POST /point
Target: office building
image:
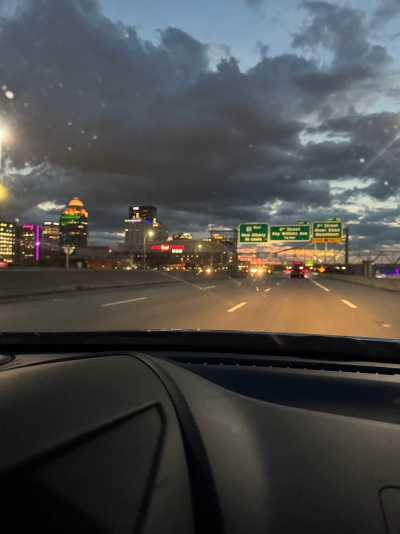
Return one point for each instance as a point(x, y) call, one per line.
point(28, 242)
point(136, 230)
point(74, 225)
point(160, 232)
point(145, 213)
point(181, 235)
point(50, 241)
point(7, 241)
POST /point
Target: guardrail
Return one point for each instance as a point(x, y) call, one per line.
point(389, 284)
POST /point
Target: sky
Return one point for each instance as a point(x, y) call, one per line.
point(232, 110)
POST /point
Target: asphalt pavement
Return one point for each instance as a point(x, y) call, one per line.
point(272, 303)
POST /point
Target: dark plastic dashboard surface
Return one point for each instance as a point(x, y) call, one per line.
point(148, 442)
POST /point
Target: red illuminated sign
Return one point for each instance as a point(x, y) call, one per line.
point(166, 248)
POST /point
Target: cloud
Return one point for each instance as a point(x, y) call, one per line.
point(255, 4)
point(100, 113)
point(50, 205)
point(387, 10)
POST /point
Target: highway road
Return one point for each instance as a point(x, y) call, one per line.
point(274, 303)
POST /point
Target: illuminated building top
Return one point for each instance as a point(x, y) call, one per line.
point(76, 208)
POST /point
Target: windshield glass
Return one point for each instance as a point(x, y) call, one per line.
point(224, 165)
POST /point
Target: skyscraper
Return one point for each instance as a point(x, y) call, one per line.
point(7, 241)
point(145, 213)
point(28, 242)
point(50, 236)
point(74, 225)
point(135, 230)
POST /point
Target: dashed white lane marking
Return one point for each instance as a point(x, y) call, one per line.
point(278, 284)
point(237, 307)
point(269, 289)
point(350, 304)
point(208, 287)
point(321, 286)
point(386, 325)
point(123, 302)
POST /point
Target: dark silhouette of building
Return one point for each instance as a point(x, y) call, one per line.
point(145, 213)
point(74, 225)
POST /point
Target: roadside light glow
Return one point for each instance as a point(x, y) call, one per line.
point(208, 271)
point(3, 192)
point(1, 133)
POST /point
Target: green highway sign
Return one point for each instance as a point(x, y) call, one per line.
point(290, 233)
point(253, 233)
point(334, 219)
point(302, 223)
point(327, 232)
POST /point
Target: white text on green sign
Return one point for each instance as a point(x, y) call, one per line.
point(253, 233)
point(290, 233)
point(327, 230)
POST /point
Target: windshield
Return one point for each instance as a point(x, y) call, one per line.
point(200, 165)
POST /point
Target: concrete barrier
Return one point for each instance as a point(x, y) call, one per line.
point(29, 281)
point(389, 284)
point(26, 282)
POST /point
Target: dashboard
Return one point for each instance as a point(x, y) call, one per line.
point(165, 441)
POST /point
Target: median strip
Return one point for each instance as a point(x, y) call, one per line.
point(321, 286)
point(237, 307)
point(123, 302)
point(350, 304)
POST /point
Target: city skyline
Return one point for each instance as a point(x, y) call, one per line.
point(269, 113)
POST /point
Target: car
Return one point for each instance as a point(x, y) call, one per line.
point(297, 269)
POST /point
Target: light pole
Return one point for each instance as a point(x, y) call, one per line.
point(197, 247)
point(144, 246)
point(211, 232)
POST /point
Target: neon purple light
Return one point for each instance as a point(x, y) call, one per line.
point(37, 242)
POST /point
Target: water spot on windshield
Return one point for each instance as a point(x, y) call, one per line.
point(362, 160)
point(9, 94)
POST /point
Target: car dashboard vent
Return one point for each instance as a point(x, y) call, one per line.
point(291, 364)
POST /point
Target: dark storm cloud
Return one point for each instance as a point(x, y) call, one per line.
point(387, 10)
point(254, 3)
point(101, 113)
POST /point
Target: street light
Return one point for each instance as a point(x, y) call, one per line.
point(197, 247)
point(150, 234)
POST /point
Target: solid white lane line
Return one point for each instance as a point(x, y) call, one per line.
point(123, 302)
point(350, 304)
point(208, 287)
point(269, 289)
point(237, 307)
point(320, 285)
